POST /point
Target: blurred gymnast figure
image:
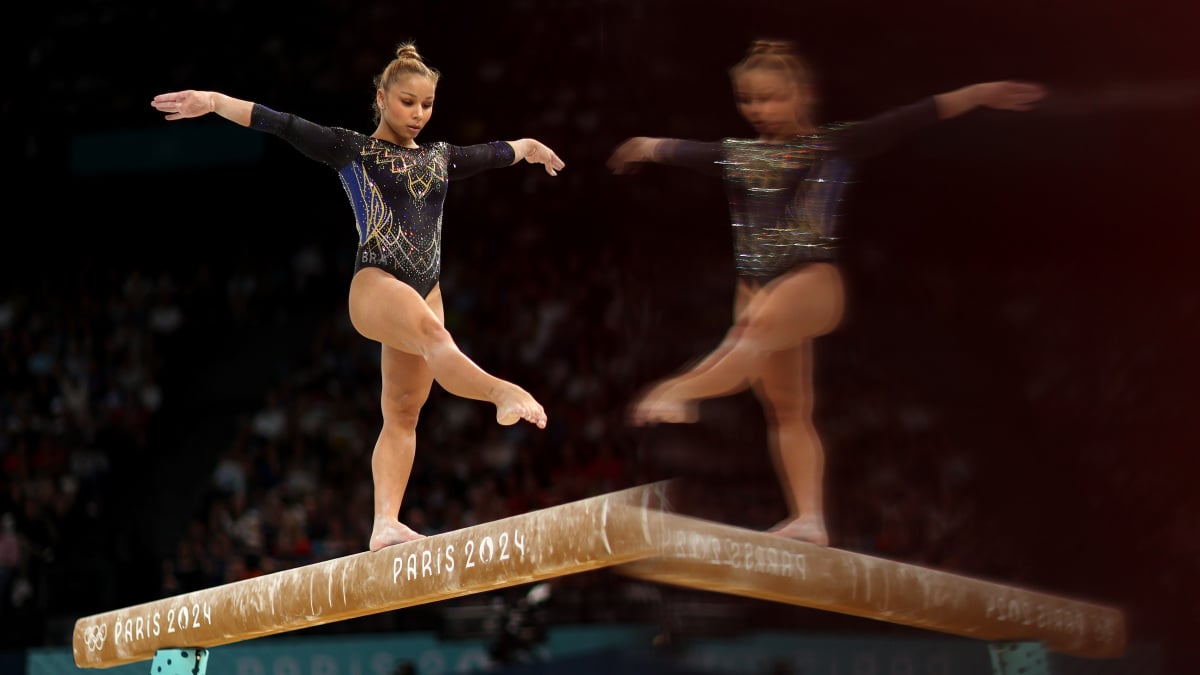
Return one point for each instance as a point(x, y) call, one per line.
point(784, 188)
point(397, 189)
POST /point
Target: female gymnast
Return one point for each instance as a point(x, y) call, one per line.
point(784, 188)
point(397, 189)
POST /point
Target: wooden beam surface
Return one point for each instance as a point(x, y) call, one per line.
point(570, 538)
point(711, 556)
point(633, 531)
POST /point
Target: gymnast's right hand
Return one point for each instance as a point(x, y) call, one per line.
point(184, 104)
point(629, 156)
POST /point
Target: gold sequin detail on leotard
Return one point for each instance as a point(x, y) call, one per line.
point(784, 200)
point(393, 242)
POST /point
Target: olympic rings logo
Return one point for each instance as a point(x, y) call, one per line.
point(94, 636)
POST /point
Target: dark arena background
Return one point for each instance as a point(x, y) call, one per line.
point(1013, 393)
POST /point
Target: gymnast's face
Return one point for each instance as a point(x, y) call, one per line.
point(406, 106)
point(773, 103)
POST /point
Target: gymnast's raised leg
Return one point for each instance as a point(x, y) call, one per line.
point(389, 311)
point(416, 350)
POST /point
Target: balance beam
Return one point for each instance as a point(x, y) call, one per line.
point(570, 538)
point(710, 556)
point(632, 531)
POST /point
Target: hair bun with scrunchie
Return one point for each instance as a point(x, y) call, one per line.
point(408, 50)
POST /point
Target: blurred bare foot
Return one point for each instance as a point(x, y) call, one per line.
point(810, 528)
point(661, 406)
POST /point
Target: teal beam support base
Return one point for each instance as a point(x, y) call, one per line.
point(179, 662)
point(1019, 658)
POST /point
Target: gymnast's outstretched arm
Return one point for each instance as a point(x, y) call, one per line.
point(697, 155)
point(535, 152)
point(1005, 95)
point(180, 105)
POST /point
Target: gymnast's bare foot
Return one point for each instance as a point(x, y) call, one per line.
point(661, 405)
point(389, 532)
point(810, 528)
point(514, 404)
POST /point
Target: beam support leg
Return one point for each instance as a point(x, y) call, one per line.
point(1019, 658)
point(176, 661)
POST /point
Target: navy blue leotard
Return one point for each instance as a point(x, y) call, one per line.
point(397, 193)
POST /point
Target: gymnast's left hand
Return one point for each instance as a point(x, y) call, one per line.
point(536, 152)
point(184, 104)
point(1017, 96)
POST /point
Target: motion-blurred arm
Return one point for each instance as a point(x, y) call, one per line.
point(697, 155)
point(877, 134)
point(1016, 96)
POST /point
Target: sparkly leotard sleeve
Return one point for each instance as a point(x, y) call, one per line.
point(397, 193)
point(784, 198)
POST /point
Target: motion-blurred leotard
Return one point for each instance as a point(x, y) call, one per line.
point(784, 198)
